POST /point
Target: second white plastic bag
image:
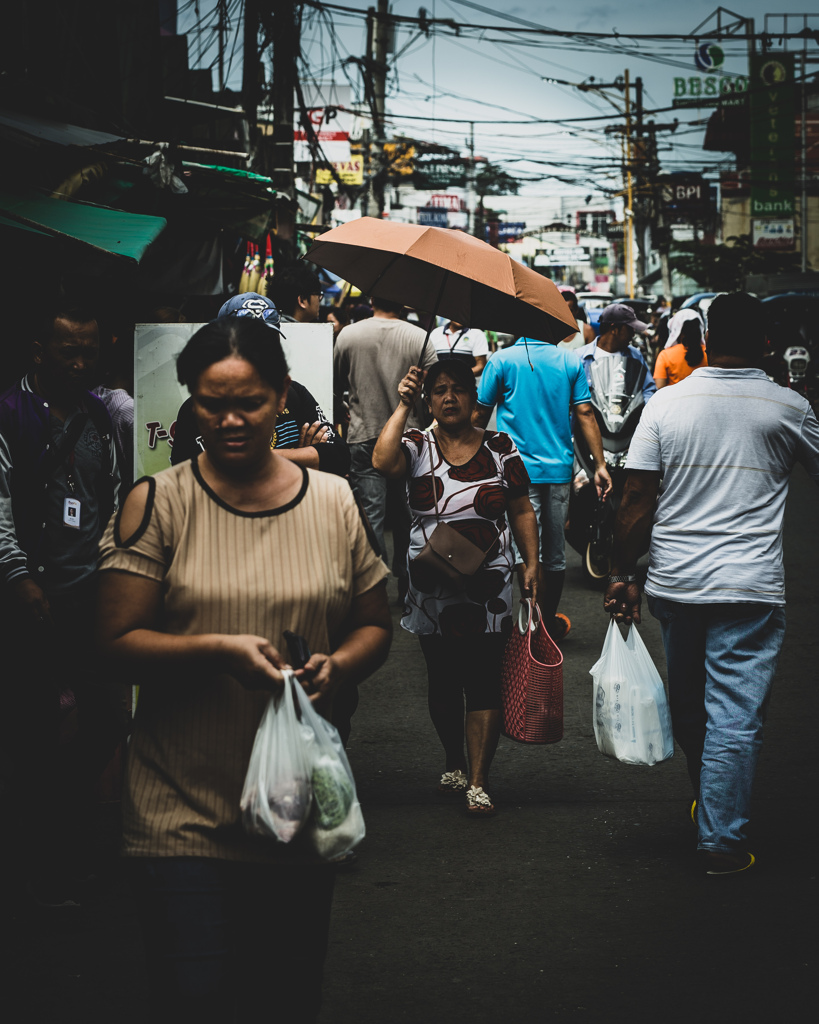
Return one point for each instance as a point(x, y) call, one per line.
point(631, 718)
point(336, 825)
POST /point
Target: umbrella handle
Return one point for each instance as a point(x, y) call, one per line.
point(434, 318)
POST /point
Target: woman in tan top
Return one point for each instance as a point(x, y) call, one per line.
point(204, 569)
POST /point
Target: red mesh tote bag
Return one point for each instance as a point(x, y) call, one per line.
point(532, 681)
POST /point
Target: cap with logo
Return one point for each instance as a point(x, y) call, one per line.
point(253, 305)
point(618, 314)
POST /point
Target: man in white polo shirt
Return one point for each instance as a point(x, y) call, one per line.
point(458, 342)
point(709, 470)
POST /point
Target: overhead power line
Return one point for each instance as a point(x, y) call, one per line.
point(522, 26)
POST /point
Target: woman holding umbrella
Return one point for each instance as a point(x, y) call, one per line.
point(474, 481)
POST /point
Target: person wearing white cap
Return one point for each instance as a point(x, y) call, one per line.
point(685, 350)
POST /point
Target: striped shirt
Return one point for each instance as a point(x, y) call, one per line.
point(725, 442)
point(297, 567)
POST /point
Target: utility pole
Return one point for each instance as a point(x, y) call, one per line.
point(378, 56)
point(285, 54)
point(221, 29)
point(803, 207)
point(470, 182)
point(629, 239)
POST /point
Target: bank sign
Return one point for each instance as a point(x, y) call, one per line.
point(772, 97)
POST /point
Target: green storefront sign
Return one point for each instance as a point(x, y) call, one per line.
point(439, 174)
point(772, 103)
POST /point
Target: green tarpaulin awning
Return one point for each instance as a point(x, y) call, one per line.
point(126, 235)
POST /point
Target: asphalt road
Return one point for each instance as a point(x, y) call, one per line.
point(580, 901)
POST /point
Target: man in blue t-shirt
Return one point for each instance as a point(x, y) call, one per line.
point(536, 387)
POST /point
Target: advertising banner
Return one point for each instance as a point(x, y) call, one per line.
point(772, 104)
point(774, 234)
point(158, 395)
point(350, 172)
point(328, 109)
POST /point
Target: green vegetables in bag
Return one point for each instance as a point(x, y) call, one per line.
point(332, 792)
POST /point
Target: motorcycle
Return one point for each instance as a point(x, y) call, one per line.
point(616, 389)
point(797, 362)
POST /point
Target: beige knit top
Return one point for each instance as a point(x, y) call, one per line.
point(297, 567)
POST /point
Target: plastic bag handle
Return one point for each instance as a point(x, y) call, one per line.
point(534, 617)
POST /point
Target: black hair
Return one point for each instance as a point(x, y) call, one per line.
point(736, 326)
point(295, 282)
point(243, 337)
point(691, 337)
point(387, 305)
point(78, 312)
point(454, 368)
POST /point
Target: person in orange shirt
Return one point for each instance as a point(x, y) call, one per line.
point(680, 360)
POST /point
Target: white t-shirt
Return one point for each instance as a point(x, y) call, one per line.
point(463, 342)
point(725, 442)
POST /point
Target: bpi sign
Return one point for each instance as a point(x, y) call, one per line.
point(686, 194)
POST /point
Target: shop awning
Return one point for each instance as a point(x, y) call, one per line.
point(125, 235)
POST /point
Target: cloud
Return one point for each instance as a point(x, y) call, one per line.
point(600, 15)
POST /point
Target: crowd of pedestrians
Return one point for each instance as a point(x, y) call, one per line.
point(186, 582)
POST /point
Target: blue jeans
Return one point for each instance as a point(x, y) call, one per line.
point(551, 505)
point(721, 665)
point(373, 492)
point(232, 941)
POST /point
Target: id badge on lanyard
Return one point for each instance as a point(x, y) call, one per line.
point(71, 506)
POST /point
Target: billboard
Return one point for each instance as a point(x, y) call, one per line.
point(158, 395)
point(328, 108)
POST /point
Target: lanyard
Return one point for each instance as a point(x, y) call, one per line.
point(447, 335)
point(70, 475)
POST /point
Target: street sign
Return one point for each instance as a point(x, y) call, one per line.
point(350, 172)
point(772, 100)
point(325, 105)
point(432, 217)
point(709, 90)
point(439, 173)
point(570, 255)
point(446, 202)
point(506, 231)
point(686, 192)
point(774, 234)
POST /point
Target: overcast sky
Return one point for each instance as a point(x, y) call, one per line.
point(500, 76)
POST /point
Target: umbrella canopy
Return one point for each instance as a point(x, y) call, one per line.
point(438, 270)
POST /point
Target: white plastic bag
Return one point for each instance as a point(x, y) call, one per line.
point(278, 793)
point(631, 717)
point(336, 825)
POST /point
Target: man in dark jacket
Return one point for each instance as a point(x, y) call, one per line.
point(303, 434)
point(58, 488)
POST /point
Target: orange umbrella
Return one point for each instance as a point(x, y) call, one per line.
point(439, 270)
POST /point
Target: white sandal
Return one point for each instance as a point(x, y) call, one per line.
point(478, 802)
point(453, 782)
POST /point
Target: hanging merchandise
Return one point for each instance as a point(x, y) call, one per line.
point(255, 270)
point(268, 267)
point(631, 718)
point(245, 278)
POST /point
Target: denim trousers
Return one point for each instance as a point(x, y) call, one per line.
point(721, 664)
point(551, 505)
point(374, 492)
point(228, 941)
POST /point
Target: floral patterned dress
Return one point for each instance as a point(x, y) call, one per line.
point(473, 499)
